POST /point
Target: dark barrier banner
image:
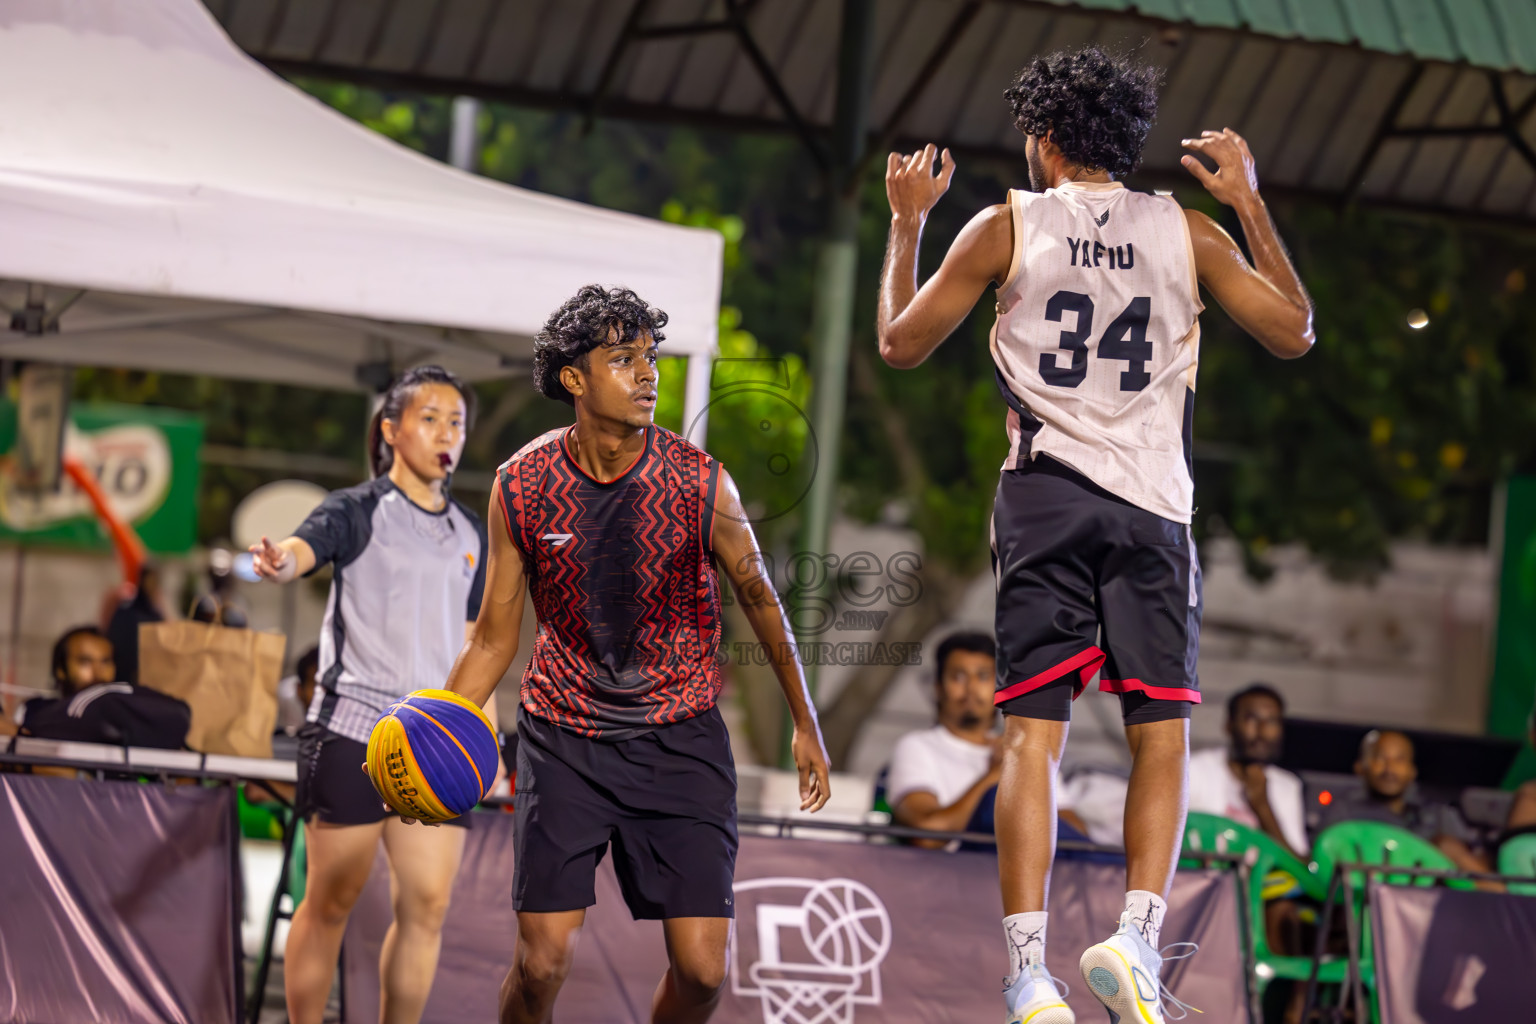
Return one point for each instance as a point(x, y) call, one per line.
point(1445, 956)
point(116, 902)
point(826, 933)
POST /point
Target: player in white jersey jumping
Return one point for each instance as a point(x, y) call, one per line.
point(1096, 346)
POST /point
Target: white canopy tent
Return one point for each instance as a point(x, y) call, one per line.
point(167, 203)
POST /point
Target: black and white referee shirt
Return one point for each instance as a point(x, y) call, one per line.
point(406, 582)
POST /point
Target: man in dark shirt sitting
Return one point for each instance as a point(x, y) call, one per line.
point(93, 707)
point(1387, 768)
point(82, 657)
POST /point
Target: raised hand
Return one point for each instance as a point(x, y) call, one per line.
point(271, 562)
point(1234, 181)
point(912, 187)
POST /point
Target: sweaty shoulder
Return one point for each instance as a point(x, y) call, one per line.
point(988, 243)
point(1214, 248)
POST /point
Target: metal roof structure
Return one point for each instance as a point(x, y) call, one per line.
point(1411, 103)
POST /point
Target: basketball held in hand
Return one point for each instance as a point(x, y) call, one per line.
point(432, 756)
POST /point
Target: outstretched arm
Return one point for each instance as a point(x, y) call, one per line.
point(283, 561)
point(912, 322)
point(736, 551)
point(492, 642)
point(1268, 299)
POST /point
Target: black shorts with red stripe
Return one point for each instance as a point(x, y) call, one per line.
point(1088, 583)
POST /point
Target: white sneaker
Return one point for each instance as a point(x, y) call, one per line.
point(1033, 998)
point(1123, 973)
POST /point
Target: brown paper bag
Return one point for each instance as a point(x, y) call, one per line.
point(227, 676)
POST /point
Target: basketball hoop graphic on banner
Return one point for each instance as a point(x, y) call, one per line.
point(819, 945)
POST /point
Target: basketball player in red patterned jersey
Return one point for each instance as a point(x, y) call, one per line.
point(1096, 347)
point(615, 527)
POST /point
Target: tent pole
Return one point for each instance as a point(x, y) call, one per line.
point(464, 137)
point(832, 306)
point(696, 399)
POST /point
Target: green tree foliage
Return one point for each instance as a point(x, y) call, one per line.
point(1382, 431)
point(757, 424)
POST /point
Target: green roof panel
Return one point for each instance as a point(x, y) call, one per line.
point(1320, 20)
point(1268, 16)
point(1171, 10)
point(1424, 30)
point(1372, 24)
point(1497, 34)
point(1516, 21)
point(1215, 13)
point(1475, 34)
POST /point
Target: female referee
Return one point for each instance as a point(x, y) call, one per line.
point(409, 574)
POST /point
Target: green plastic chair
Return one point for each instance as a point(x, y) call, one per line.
point(1211, 833)
point(265, 820)
point(1518, 857)
point(1374, 842)
point(298, 867)
point(259, 820)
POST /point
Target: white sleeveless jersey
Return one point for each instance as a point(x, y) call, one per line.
point(1097, 340)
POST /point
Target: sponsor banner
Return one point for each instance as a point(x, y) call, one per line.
point(118, 902)
point(146, 460)
point(1513, 686)
point(826, 933)
point(1451, 956)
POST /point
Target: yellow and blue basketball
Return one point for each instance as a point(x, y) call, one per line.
point(432, 756)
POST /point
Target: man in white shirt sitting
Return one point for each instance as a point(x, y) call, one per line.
point(939, 776)
point(1242, 781)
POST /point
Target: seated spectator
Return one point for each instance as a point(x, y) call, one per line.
point(295, 692)
point(123, 628)
point(1387, 768)
point(94, 707)
point(82, 657)
point(945, 778)
point(1242, 781)
point(1522, 811)
point(938, 776)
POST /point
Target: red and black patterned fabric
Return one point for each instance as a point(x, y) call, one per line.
point(622, 582)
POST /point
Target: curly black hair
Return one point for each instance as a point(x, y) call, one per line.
point(584, 323)
point(1098, 107)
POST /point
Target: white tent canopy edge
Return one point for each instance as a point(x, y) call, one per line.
point(169, 204)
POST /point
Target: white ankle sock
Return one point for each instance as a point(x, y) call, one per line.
point(1146, 910)
point(1026, 941)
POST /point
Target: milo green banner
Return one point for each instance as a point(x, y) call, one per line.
point(146, 460)
point(1514, 665)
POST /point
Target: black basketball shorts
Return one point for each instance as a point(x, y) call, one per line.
point(1087, 582)
point(333, 786)
point(664, 799)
